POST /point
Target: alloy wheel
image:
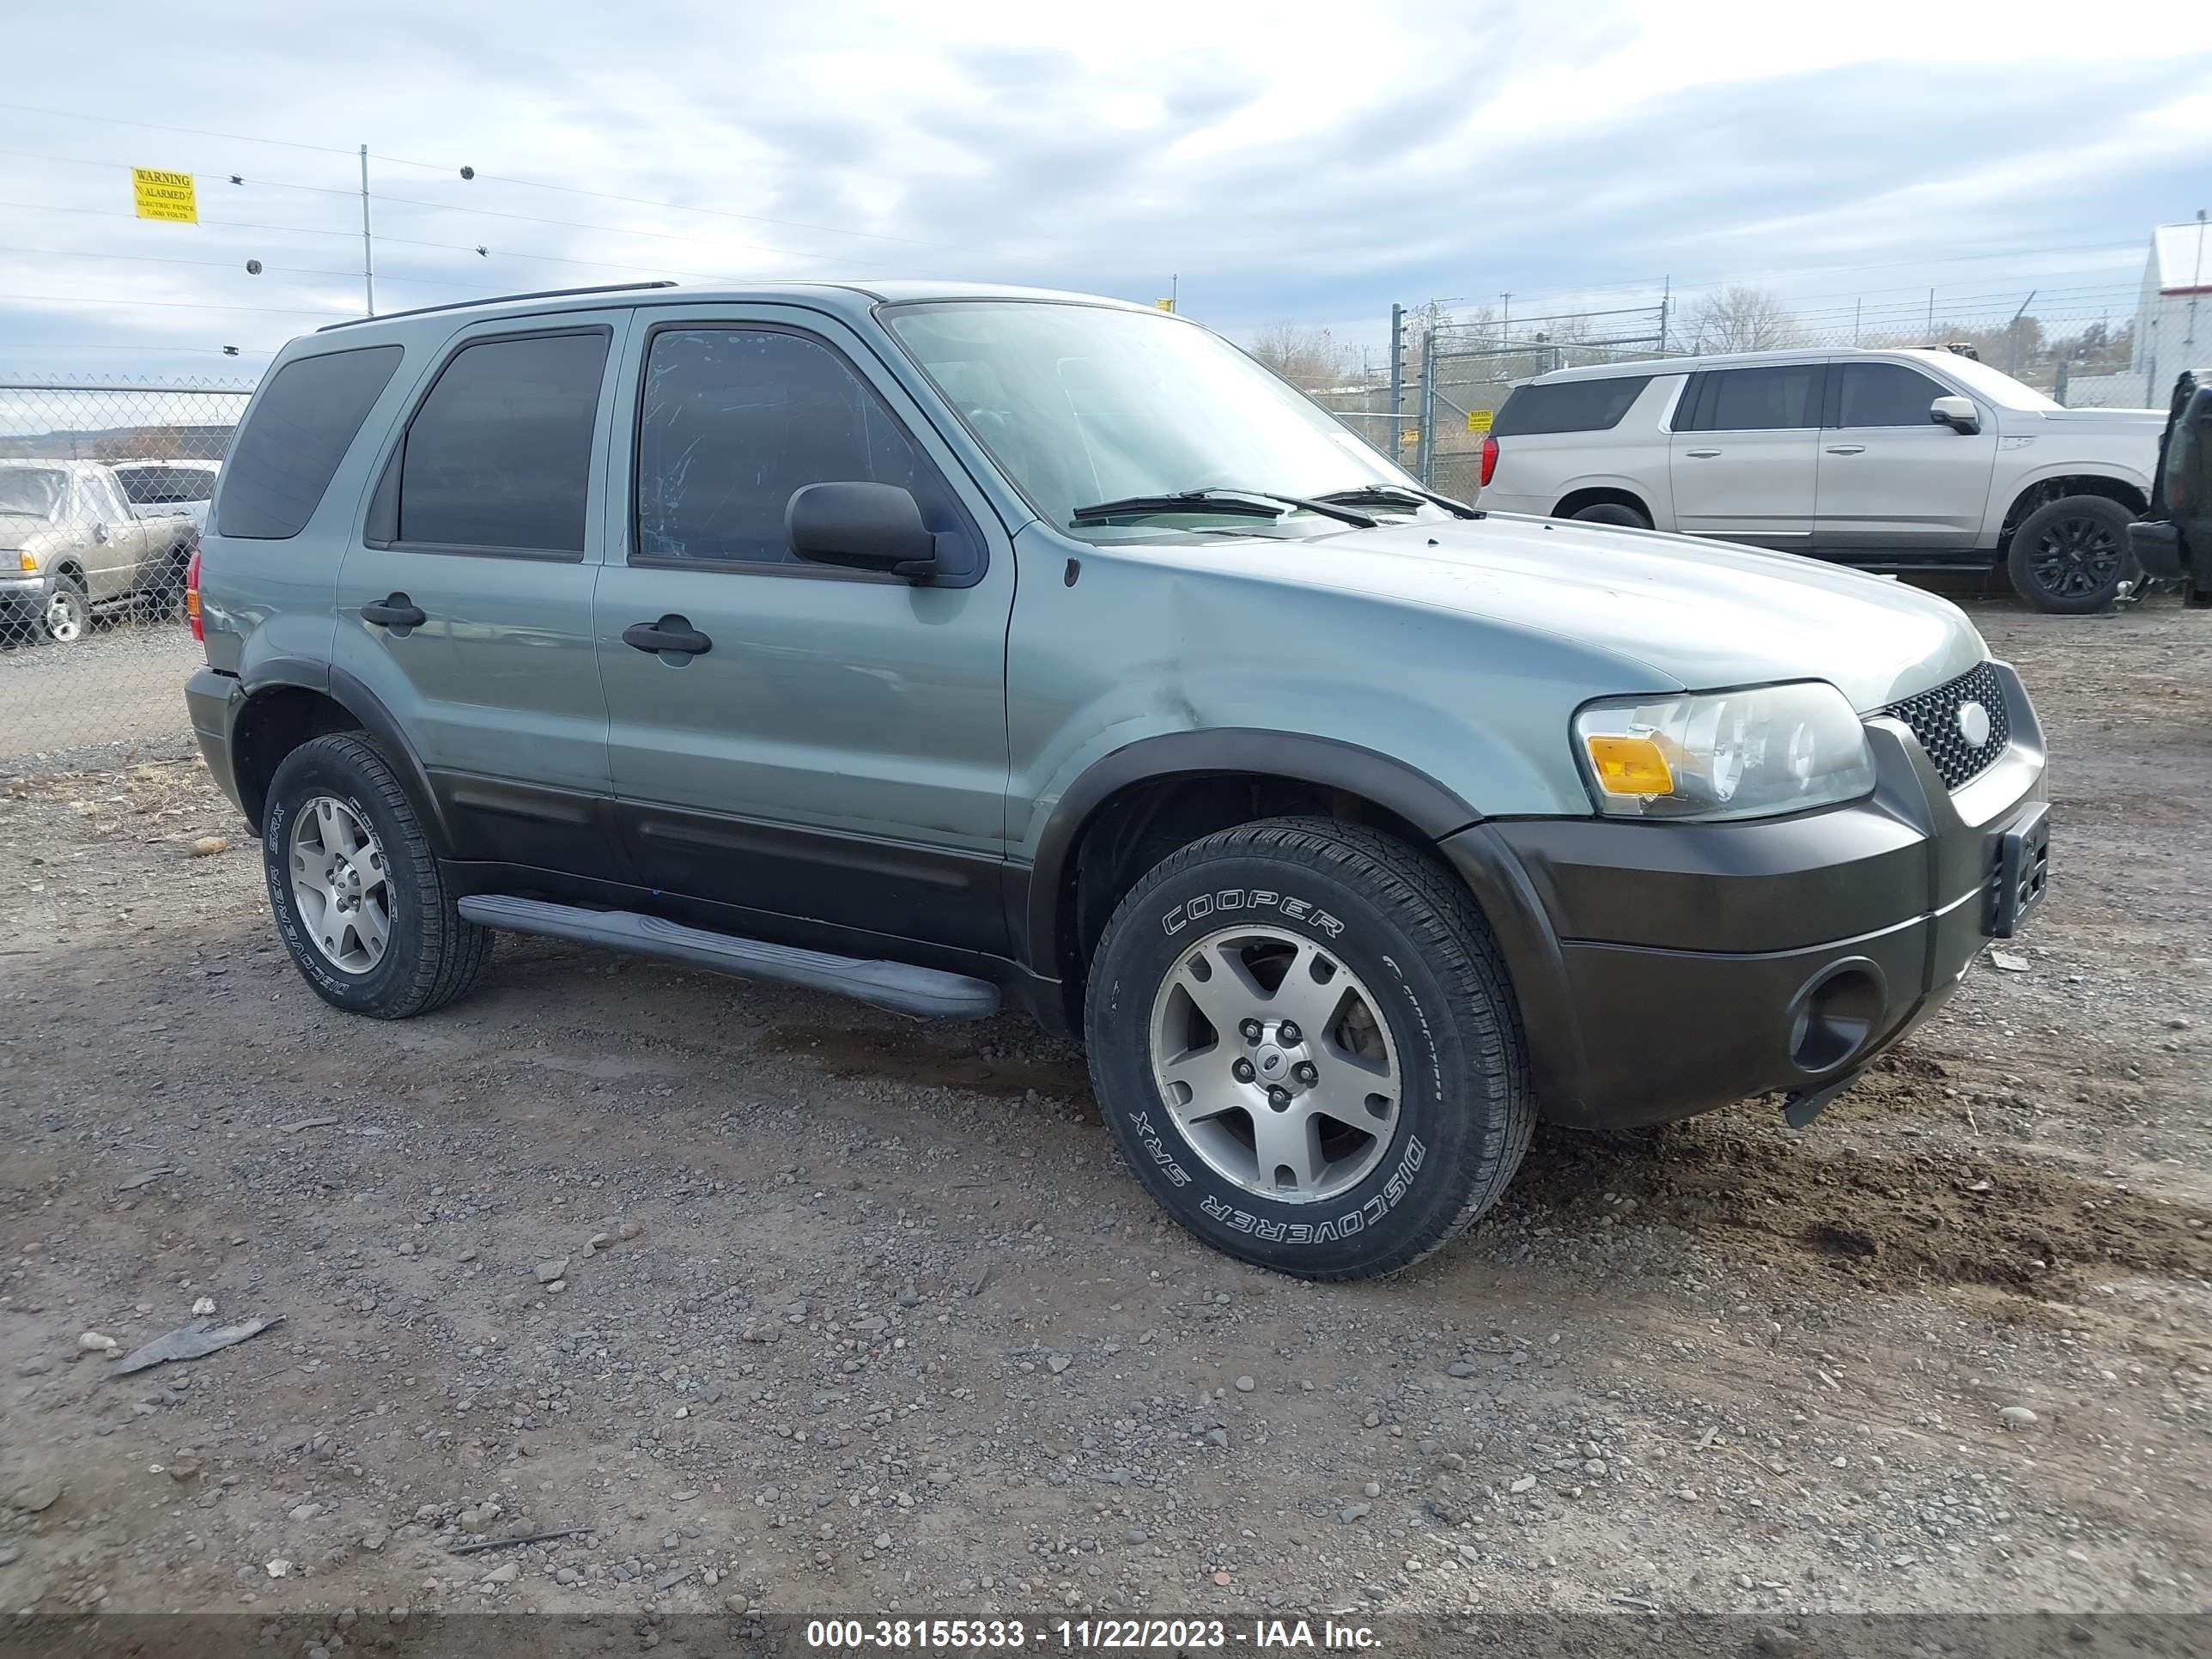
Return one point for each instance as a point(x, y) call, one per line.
point(2074, 558)
point(339, 884)
point(1276, 1064)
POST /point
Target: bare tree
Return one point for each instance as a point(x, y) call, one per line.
point(1741, 319)
point(1311, 359)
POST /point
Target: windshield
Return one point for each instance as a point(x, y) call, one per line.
point(1086, 405)
point(1999, 387)
point(37, 490)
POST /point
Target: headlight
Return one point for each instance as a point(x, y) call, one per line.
point(1723, 754)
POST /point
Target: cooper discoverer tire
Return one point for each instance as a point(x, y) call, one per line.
point(359, 898)
point(1305, 1042)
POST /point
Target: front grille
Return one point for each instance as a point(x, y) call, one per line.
point(1934, 718)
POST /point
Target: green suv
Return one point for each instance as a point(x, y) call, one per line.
point(948, 647)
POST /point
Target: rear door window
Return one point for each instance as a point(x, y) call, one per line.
point(1568, 406)
point(1884, 394)
point(499, 453)
point(302, 424)
point(1779, 399)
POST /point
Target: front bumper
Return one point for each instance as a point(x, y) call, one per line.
point(26, 595)
point(1663, 969)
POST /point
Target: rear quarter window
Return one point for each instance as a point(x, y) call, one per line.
point(1568, 406)
point(302, 426)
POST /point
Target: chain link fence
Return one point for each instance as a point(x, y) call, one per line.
point(104, 489)
point(1455, 370)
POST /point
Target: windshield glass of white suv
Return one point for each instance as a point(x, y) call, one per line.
point(1999, 387)
point(1083, 405)
point(36, 491)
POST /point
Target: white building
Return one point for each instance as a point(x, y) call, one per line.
point(2173, 321)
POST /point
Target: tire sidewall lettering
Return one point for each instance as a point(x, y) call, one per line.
point(1427, 1138)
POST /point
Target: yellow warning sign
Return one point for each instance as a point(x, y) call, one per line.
point(1164, 305)
point(1408, 435)
point(160, 195)
point(1478, 420)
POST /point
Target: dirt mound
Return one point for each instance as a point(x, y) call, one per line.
point(1878, 1220)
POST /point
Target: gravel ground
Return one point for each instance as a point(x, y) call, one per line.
point(791, 1305)
point(118, 690)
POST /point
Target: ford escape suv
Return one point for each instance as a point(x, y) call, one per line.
point(1885, 460)
point(947, 648)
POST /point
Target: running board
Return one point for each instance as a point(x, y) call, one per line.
point(898, 986)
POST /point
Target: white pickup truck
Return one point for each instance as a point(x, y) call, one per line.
point(1897, 460)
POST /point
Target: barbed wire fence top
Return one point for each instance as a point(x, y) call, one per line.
point(104, 483)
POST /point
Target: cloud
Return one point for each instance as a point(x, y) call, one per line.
point(1286, 161)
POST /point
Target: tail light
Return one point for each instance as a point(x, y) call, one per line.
point(192, 595)
point(1489, 458)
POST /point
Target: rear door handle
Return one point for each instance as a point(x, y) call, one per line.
point(1847, 449)
point(1701, 454)
point(393, 610)
point(672, 634)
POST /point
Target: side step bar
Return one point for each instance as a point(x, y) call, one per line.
point(903, 988)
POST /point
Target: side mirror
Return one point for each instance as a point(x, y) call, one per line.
point(1957, 413)
point(861, 526)
point(99, 533)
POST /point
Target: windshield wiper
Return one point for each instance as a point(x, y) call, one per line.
point(1247, 502)
point(1401, 495)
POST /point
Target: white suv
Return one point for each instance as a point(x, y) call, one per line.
point(1888, 460)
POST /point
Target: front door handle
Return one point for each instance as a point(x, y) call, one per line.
point(671, 635)
point(1701, 454)
point(1847, 449)
point(393, 610)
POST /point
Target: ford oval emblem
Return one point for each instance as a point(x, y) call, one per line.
point(1973, 724)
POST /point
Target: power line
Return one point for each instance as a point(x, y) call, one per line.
point(490, 178)
point(95, 345)
point(168, 305)
point(448, 207)
point(222, 265)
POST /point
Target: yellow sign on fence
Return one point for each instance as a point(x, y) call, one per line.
point(1478, 420)
point(159, 195)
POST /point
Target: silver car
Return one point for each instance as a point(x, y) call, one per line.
point(71, 542)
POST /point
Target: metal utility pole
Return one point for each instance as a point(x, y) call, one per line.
point(1855, 305)
point(1397, 359)
point(2012, 334)
point(1425, 450)
point(1931, 317)
point(1665, 303)
point(367, 247)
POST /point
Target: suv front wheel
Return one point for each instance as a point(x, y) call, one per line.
point(354, 883)
point(2070, 555)
point(1303, 1042)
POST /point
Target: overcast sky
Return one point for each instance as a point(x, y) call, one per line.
point(1307, 163)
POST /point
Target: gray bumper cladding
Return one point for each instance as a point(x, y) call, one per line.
point(898, 986)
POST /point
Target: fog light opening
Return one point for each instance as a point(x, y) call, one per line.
point(1834, 1016)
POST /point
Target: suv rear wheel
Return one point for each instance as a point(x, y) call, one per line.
point(359, 898)
point(1303, 1042)
point(2070, 555)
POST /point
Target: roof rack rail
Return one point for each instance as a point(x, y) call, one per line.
point(497, 299)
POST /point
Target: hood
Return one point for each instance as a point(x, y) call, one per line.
point(2149, 422)
point(16, 530)
point(1699, 614)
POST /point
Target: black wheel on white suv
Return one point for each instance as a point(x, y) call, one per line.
point(1613, 513)
point(359, 898)
point(1303, 1042)
point(2070, 555)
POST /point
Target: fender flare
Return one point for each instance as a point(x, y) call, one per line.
point(363, 704)
point(1328, 763)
